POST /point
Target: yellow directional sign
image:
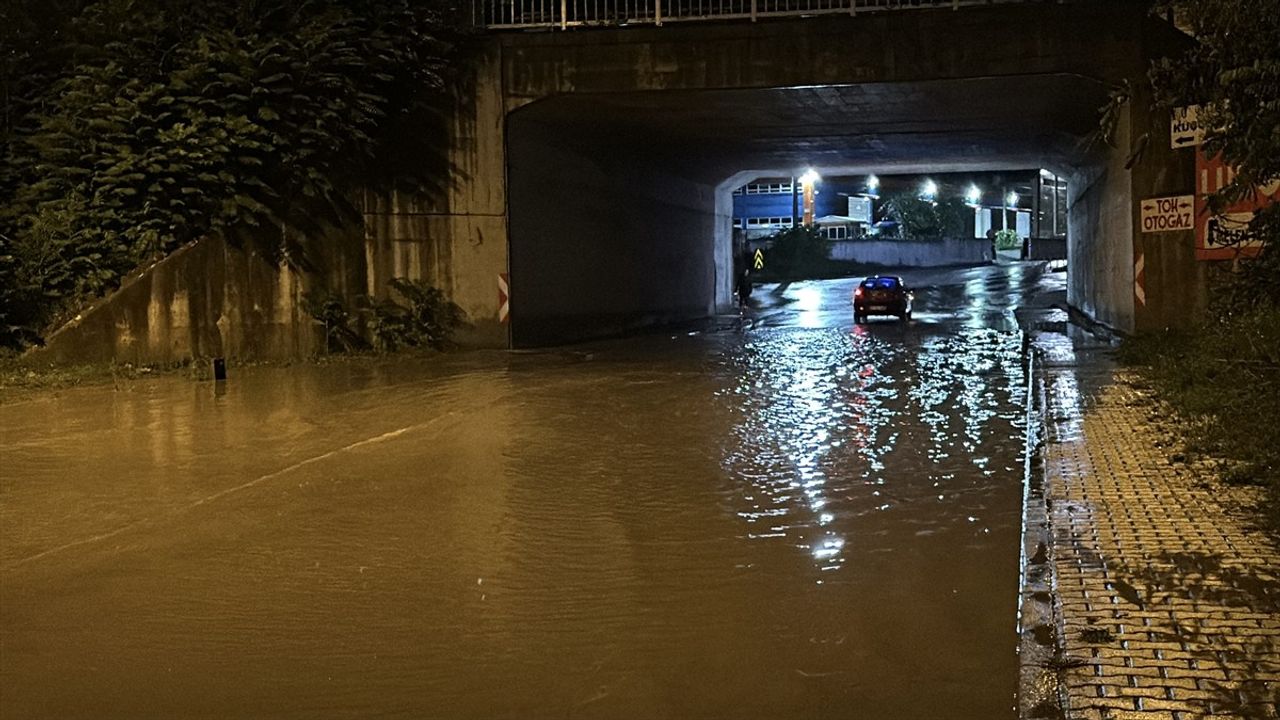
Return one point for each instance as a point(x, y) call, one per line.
point(759, 261)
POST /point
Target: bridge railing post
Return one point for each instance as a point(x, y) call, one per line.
point(657, 12)
point(753, 10)
point(564, 14)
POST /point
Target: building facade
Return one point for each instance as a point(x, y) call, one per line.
point(1031, 202)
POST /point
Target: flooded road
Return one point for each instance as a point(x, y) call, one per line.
point(798, 518)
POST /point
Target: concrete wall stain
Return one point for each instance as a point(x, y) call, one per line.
point(207, 299)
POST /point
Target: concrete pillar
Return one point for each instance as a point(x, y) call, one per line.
point(457, 242)
point(1100, 236)
point(1174, 285)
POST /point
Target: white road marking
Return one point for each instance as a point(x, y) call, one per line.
point(238, 488)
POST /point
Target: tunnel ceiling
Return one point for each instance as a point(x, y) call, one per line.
point(954, 125)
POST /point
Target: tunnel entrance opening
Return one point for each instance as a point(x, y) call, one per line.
point(620, 204)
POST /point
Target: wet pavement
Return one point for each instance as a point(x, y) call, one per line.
point(790, 517)
point(1166, 591)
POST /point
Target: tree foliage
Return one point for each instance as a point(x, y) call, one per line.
point(927, 219)
point(797, 251)
point(1224, 376)
point(132, 127)
point(1232, 71)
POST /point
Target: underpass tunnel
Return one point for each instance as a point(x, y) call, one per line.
point(620, 204)
point(607, 235)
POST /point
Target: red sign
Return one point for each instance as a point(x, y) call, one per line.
point(1221, 236)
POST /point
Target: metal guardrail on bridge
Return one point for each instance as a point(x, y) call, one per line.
point(564, 14)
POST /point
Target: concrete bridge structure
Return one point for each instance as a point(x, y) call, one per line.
point(599, 162)
point(594, 166)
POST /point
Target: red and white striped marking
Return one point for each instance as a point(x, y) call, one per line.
point(1140, 279)
point(504, 298)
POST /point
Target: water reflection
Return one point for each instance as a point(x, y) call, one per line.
point(783, 523)
point(825, 414)
point(804, 409)
point(809, 303)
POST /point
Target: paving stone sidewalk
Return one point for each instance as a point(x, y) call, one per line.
point(1167, 598)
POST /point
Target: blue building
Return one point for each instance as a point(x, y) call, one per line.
point(767, 205)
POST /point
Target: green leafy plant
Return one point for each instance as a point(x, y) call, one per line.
point(331, 313)
point(431, 317)
point(417, 315)
point(132, 127)
point(796, 252)
point(1231, 69)
point(1008, 239)
point(389, 323)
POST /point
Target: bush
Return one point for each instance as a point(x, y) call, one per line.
point(426, 318)
point(797, 252)
point(1008, 240)
point(330, 312)
point(1224, 378)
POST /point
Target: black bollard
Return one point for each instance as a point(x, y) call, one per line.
point(219, 369)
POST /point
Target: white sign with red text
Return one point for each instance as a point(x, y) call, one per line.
point(1168, 214)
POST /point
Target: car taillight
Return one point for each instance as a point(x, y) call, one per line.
point(858, 292)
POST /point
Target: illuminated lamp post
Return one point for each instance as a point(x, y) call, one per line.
point(808, 181)
point(1010, 201)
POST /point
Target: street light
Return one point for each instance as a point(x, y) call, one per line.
point(873, 183)
point(807, 181)
point(929, 190)
point(973, 196)
point(1010, 201)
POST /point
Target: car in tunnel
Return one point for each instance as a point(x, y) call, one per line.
point(882, 295)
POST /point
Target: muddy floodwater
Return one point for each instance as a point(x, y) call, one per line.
point(802, 518)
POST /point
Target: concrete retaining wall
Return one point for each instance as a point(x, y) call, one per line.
point(1174, 285)
point(1046, 249)
point(206, 300)
point(912, 253)
point(210, 300)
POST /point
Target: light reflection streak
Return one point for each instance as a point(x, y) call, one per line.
point(809, 303)
point(813, 399)
point(823, 411)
